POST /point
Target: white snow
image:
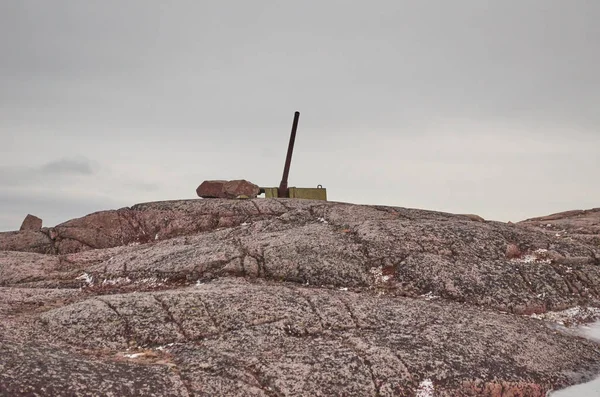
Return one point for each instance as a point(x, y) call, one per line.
point(133, 355)
point(116, 281)
point(537, 256)
point(591, 331)
point(87, 278)
point(378, 276)
point(164, 346)
point(592, 388)
point(425, 389)
point(152, 281)
point(322, 220)
point(429, 296)
point(573, 315)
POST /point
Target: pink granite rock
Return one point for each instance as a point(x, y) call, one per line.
point(31, 222)
point(211, 189)
point(227, 189)
point(284, 297)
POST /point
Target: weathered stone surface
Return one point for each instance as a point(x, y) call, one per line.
point(211, 189)
point(513, 251)
point(31, 222)
point(27, 240)
point(582, 225)
point(261, 336)
point(473, 217)
point(283, 297)
point(241, 187)
point(18, 268)
point(405, 252)
point(30, 369)
point(144, 223)
point(14, 301)
point(227, 189)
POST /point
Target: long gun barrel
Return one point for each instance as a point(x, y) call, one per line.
point(283, 186)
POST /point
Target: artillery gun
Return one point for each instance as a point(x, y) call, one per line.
point(242, 189)
point(318, 193)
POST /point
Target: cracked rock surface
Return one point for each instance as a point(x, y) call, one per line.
point(283, 297)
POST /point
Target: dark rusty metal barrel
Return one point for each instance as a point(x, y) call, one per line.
point(283, 186)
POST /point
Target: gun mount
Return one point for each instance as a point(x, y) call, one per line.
point(318, 193)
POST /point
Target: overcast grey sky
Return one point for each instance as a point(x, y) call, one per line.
point(487, 107)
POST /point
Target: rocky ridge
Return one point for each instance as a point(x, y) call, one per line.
point(284, 297)
point(582, 225)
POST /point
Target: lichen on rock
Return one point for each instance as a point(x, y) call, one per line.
point(286, 297)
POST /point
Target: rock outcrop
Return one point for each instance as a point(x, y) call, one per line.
point(31, 222)
point(28, 241)
point(582, 225)
point(228, 189)
point(284, 297)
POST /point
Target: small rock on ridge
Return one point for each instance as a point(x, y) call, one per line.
point(227, 189)
point(31, 222)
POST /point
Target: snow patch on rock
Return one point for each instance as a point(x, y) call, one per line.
point(161, 348)
point(89, 281)
point(116, 281)
point(425, 389)
point(133, 355)
point(538, 256)
point(572, 316)
point(87, 278)
point(378, 276)
point(429, 296)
